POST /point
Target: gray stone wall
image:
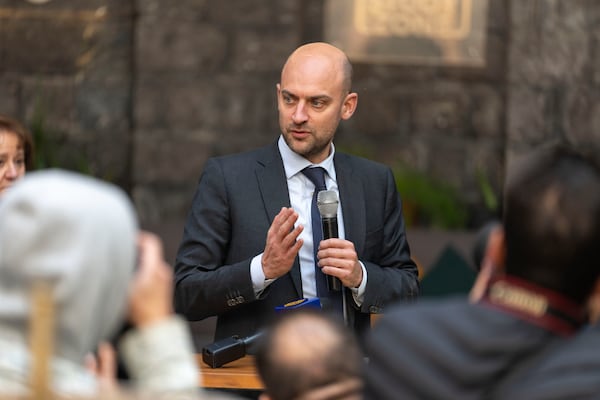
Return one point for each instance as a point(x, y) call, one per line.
point(447, 122)
point(205, 85)
point(145, 91)
point(69, 64)
point(553, 79)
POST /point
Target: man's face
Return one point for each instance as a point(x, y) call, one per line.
point(311, 101)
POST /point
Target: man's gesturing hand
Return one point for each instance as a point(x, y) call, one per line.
point(282, 244)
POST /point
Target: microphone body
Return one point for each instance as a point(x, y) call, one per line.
point(330, 230)
point(327, 202)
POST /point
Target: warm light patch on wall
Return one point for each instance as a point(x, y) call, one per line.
point(446, 32)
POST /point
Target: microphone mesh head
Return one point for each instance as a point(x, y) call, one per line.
point(327, 203)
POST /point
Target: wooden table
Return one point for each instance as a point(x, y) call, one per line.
point(238, 374)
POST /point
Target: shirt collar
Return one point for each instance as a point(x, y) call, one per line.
point(294, 163)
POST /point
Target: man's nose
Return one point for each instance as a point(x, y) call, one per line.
point(300, 116)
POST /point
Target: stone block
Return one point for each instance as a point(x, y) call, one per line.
point(582, 115)
point(53, 99)
point(264, 52)
point(179, 46)
point(184, 103)
point(486, 110)
point(497, 17)
point(159, 157)
point(485, 161)
point(243, 13)
point(59, 36)
point(222, 103)
point(69, 6)
point(440, 112)
point(162, 10)
point(41, 46)
point(414, 153)
point(496, 53)
point(104, 106)
point(526, 115)
point(447, 158)
point(109, 56)
point(9, 100)
point(380, 115)
point(176, 103)
point(157, 203)
point(550, 43)
point(107, 156)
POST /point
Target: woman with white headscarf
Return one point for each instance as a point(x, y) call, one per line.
point(79, 235)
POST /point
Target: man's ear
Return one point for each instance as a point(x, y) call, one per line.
point(495, 251)
point(492, 265)
point(349, 105)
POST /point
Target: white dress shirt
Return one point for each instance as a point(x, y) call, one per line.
point(301, 190)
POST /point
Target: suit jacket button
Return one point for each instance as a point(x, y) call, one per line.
point(374, 309)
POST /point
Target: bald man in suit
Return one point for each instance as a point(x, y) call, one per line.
point(248, 246)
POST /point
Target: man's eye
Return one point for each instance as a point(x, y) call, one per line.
point(318, 103)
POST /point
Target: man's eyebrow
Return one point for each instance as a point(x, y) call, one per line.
point(312, 98)
point(288, 93)
point(320, 97)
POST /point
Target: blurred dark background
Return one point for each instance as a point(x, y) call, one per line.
point(141, 92)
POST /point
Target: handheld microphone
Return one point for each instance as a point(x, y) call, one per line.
point(327, 203)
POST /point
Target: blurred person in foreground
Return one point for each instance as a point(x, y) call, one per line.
point(79, 235)
point(307, 355)
point(16, 152)
point(567, 371)
point(247, 245)
point(545, 262)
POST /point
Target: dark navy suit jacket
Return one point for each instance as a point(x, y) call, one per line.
point(237, 198)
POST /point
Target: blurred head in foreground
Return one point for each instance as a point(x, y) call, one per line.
point(306, 354)
point(551, 228)
point(78, 236)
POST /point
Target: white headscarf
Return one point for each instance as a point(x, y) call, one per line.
point(78, 233)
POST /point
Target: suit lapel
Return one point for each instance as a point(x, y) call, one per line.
point(352, 197)
point(272, 184)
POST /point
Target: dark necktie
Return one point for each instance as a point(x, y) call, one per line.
point(329, 299)
point(317, 177)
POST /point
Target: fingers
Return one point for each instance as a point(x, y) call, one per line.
point(281, 228)
point(107, 358)
point(149, 249)
point(282, 244)
point(103, 365)
point(150, 297)
point(337, 257)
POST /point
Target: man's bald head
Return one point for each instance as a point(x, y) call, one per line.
point(325, 53)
